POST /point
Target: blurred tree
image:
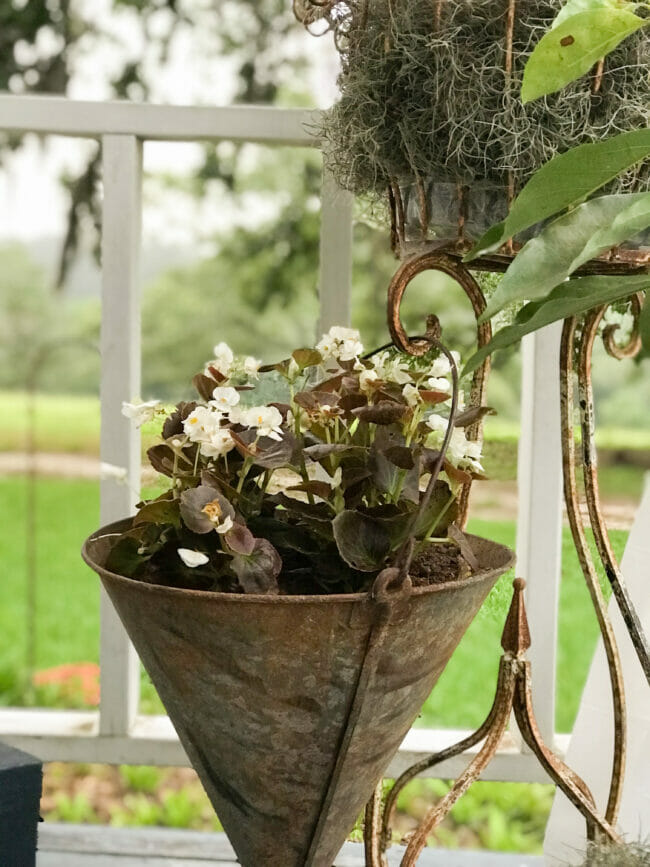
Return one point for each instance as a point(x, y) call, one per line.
point(44, 42)
point(44, 342)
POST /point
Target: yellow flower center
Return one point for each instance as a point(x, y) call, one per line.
point(213, 511)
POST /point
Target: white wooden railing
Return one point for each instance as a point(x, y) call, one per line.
point(117, 733)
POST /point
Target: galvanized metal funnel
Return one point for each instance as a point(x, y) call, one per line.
point(290, 708)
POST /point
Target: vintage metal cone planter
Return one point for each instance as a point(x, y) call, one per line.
point(290, 708)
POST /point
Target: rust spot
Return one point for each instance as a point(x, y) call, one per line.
point(567, 40)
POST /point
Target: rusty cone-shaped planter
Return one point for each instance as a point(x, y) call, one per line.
point(290, 708)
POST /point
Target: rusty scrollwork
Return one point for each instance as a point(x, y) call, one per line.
point(441, 261)
point(514, 683)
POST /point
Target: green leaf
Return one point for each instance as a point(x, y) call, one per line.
point(257, 572)
point(124, 558)
point(438, 506)
point(569, 299)
point(239, 539)
point(571, 48)
point(265, 451)
point(161, 458)
point(159, 512)
point(629, 222)
point(574, 7)
point(173, 425)
point(362, 541)
point(565, 181)
point(382, 412)
point(306, 357)
point(547, 260)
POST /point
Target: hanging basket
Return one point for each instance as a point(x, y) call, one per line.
point(290, 708)
point(430, 108)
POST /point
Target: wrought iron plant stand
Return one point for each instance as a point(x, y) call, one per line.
point(513, 688)
point(411, 242)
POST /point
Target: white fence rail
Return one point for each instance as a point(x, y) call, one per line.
point(117, 733)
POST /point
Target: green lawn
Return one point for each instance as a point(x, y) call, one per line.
point(64, 423)
point(70, 423)
point(67, 608)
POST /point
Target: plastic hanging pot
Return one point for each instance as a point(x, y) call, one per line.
point(290, 708)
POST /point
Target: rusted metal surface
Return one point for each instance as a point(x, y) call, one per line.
point(569, 464)
point(514, 683)
point(439, 260)
point(515, 638)
point(513, 696)
point(589, 332)
point(291, 707)
point(510, 30)
point(619, 262)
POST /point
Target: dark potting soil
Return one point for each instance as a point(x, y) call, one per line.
point(438, 564)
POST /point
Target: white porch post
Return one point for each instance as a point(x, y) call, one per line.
point(539, 520)
point(120, 441)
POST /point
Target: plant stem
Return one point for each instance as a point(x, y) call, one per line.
point(305, 478)
point(438, 519)
point(244, 472)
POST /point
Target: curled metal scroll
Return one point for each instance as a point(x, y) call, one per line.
point(437, 260)
point(589, 333)
point(578, 338)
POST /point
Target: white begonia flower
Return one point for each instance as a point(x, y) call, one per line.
point(437, 383)
point(224, 398)
point(411, 394)
point(267, 420)
point(219, 444)
point(111, 471)
point(141, 412)
point(223, 354)
point(342, 344)
point(457, 446)
point(366, 380)
point(201, 424)
point(293, 371)
point(252, 366)
point(225, 525)
point(473, 450)
point(437, 423)
point(391, 369)
point(193, 558)
point(461, 451)
point(472, 457)
point(223, 360)
point(442, 367)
